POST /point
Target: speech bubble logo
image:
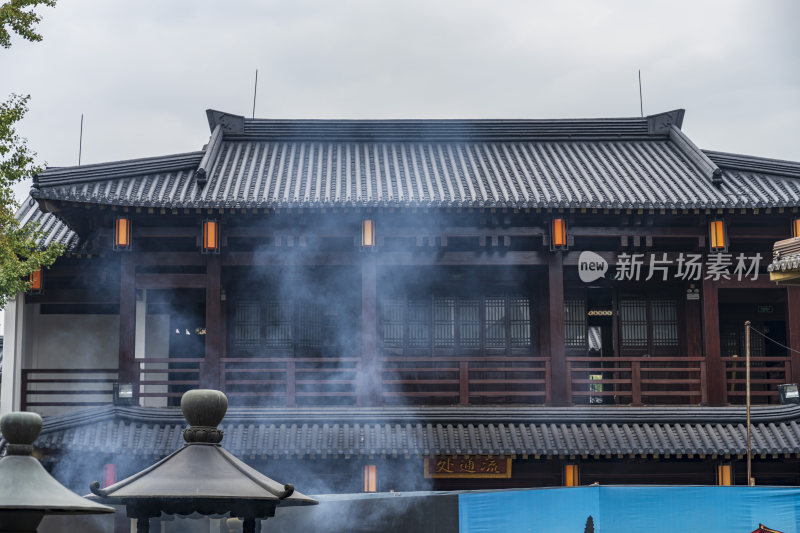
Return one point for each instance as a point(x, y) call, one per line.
point(591, 266)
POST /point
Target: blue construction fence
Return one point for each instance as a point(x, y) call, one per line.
point(632, 509)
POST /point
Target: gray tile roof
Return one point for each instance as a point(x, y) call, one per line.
point(53, 229)
point(599, 163)
point(786, 256)
point(596, 431)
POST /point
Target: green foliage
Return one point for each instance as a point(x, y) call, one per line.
point(19, 253)
point(17, 16)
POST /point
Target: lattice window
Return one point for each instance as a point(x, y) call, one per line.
point(419, 323)
point(519, 318)
point(278, 324)
point(456, 323)
point(495, 310)
point(575, 323)
point(469, 315)
point(247, 324)
point(664, 318)
point(309, 325)
point(730, 341)
point(757, 344)
point(444, 322)
point(633, 322)
point(392, 322)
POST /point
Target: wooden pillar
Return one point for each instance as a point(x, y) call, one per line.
point(128, 368)
point(793, 329)
point(715, 369)
point(558, 363)
point(369, 382)
point(693, 327)
point(210, 376)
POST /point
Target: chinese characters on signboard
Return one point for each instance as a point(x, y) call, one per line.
point(663, 266)
point(467, 466)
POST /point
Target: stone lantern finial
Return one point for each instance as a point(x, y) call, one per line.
point(20, 429)
point(204, 409)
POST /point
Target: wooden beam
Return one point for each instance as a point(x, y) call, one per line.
point(278, 257)
point(168, 259)
point(171, 281)
point(711, 344)
point(464, 258)
point(763, 282)
point(73, 296)
point(165, 231)
point(558, 363)
point(422, 258)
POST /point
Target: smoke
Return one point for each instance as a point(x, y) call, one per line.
point(300, 304)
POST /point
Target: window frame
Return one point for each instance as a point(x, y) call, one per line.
point(507, 293)
point(650, 348)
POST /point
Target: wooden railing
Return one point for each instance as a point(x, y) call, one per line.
point(163, 380)
point(766, 373)
point(50, 389)
point(290, 380)
point(465, 380)
point(636, 380)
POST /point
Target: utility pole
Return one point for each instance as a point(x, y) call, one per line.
point(750, 480)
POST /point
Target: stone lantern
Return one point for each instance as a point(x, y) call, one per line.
point(201, 478)
point(27, 492)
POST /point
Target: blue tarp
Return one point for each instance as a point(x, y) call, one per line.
point(653, 509)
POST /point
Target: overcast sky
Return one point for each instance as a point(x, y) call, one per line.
point(143, 72)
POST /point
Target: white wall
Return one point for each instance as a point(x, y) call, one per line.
point(156, 345)
point(70, 342)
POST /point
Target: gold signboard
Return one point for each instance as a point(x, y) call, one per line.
point(467, 466)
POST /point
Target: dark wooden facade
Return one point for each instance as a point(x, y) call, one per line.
point(334, 322)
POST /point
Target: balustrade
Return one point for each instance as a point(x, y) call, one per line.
point(637, 380)
point(444, 380)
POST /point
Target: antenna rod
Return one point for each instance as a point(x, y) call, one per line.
point(641, 107)
point(255, 92)
point(80, 142)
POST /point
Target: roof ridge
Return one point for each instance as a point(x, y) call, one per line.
point(441, 415)
point(766, 165)
point(427, 130)
point(711, 171)
point(114, 169)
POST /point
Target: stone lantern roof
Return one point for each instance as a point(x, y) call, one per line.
point(27, 491)
point(201, 477)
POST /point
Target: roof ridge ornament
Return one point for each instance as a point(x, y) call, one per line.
point(230, 123)
point(661, 123)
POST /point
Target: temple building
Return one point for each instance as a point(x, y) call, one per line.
point(401, 305)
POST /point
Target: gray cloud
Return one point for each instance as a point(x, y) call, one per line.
point(143, 72)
